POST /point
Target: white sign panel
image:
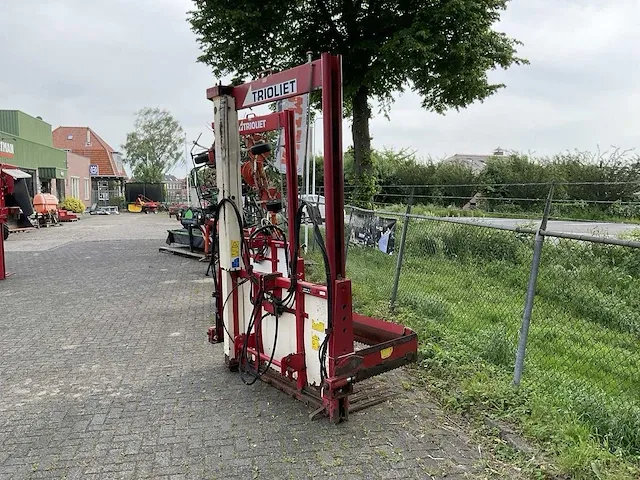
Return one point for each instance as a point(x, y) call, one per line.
point(93, 169)
point(270, 93)
point(300, 105)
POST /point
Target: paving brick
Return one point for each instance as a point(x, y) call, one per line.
point(106, 373)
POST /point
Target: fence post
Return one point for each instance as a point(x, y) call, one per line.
point(347, 236)
point(403, 238)
point(531, 291)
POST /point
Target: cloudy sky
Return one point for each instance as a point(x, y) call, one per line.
point(96, 63)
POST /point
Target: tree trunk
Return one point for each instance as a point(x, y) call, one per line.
point(360, 132)
point(362, 163)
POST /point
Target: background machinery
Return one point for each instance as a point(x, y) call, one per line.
point(299, 336)
point(15, 206)
point(143, 204)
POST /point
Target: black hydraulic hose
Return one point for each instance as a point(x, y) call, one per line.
point(322, 351)
point(292, 266)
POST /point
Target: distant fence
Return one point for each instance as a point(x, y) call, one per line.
point(153, 191)
point(106, 197)
point(558, 312)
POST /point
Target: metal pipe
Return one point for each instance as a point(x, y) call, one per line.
point(592, 238)
point(306, 155)
point(313, 153)
point(403, 239)
point(531, 292)
point(348, 236)
point(186, 163)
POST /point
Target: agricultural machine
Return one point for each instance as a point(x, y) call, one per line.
point(144, 205)
point(260, 198)
point(301, 337)
point(15, 205)
point(46, 209)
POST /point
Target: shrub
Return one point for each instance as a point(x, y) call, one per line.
point(73, 205)
point(119, 202)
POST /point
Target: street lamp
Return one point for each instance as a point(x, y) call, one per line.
point(313, 151)
point(186, 164)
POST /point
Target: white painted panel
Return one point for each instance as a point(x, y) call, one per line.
point(316, 309)
point(286, 335)
point(282, 262)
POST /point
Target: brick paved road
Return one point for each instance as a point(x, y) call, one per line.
point(105, 372)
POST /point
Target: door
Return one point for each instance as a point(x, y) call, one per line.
point(60, 189)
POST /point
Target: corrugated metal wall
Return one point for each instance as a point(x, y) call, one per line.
point(25, 126)
point(34, 129)
point(33, 155)
point(9, 122)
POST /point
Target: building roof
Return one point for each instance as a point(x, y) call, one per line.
point(475, 162)
point(97, 150)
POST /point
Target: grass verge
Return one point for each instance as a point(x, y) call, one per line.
point(462, 289)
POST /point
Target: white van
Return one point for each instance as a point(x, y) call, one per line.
point(316, 201)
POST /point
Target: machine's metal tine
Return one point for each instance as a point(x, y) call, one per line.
point(371, 402)
point(316, 413)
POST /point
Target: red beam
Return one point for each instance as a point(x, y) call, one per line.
point(263, 123)
point(289, 83)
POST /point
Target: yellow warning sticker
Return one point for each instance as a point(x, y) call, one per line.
point(386, 352)
point(317, 325)
point(315, 342)
point(235, 248)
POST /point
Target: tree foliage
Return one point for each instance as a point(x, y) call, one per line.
point(442, 49)
point(586, 183)
point(155, 146)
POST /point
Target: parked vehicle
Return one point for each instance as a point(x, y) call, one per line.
point(317, 201)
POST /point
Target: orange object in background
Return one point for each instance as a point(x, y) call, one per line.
point(44, 203)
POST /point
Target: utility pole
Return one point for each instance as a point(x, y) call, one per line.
point(307, 157)
point(186, 163)
point(313, 154)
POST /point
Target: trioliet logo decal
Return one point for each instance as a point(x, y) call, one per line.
point(6, 149)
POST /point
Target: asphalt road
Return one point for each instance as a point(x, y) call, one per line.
point(584, 228)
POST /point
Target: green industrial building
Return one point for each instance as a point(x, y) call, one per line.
point(27, 143)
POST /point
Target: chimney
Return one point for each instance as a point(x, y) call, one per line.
point(88, 137)
point(498, 152)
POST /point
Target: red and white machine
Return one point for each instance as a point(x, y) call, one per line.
point(299, 336)
point(15, 204)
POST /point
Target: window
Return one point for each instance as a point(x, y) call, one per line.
point(75, 187)
point(87, 189)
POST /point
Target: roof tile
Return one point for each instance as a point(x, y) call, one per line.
point(99, 151)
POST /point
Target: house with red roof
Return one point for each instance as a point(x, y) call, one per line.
point(106, 169)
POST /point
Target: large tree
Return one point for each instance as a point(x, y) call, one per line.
point(155, 146)
point(441, 49)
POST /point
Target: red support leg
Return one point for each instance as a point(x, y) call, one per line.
point(333, 167)
point(3, 272)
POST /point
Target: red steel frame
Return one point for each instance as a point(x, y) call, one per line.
point(6, 188)
point(390, 345)
point(4, 212)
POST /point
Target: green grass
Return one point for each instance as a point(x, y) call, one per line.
point(462, 289)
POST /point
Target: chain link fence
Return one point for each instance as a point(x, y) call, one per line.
point(476, 290)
